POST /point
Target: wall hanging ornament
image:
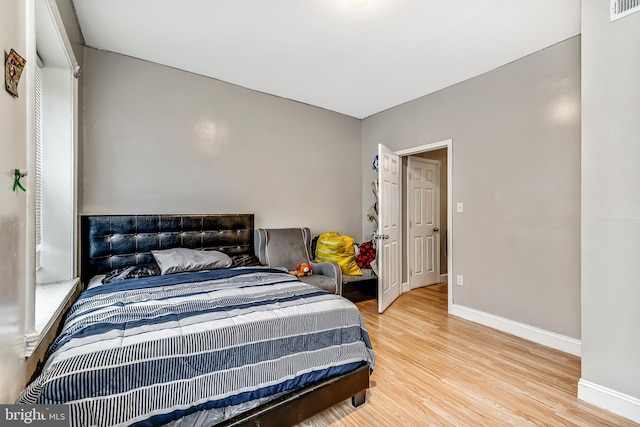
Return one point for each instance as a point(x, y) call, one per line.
point(13, 66)
point(18, 174)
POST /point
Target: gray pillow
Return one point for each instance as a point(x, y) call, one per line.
point(178, 260)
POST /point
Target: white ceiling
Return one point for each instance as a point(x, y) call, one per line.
point(329, 53)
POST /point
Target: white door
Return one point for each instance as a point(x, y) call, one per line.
point(388, 235)
point(423, 247)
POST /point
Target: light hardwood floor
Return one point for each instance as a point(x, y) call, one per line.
point(433, 369)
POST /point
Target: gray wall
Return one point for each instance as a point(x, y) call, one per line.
point(610, 199)
point(516, 167)
point(165, 141)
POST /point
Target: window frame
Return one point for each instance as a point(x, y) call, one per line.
point(44, 303)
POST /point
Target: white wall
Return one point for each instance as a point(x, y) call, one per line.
point(516, 168)
point(610, 209)
point(160, 140)
point(72, 29)
point(13, 143)
point(13, 146)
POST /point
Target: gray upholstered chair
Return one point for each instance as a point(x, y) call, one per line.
point(289, 247)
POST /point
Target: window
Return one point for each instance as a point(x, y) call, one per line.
point(52, 208)
point(55, 176)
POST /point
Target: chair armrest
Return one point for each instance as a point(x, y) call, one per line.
point(329, 269)
point(260, 245)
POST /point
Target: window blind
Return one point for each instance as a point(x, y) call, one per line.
point(38, 174)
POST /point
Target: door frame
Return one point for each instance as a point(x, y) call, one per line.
point(448, 144)
point(407, 218)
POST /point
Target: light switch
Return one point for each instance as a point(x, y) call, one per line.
point(460, 207)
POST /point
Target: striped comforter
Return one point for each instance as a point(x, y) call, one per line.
point(149, 351)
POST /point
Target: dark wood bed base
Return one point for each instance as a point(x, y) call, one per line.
point(110, 241)
point(299, 405)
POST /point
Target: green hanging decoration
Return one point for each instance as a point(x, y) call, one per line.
point(16, 181)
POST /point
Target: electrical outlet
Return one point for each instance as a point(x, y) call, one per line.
point(459, 280)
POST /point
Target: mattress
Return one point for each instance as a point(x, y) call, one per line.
point(196, 346)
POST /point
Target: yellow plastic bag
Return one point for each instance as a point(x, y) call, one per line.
point(332, 247)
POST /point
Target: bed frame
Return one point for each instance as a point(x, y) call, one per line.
point(113, 241)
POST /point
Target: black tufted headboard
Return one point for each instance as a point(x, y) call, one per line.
point(113, 241)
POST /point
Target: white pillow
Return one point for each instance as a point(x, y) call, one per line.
point(177, 260)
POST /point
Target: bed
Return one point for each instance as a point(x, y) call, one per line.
point(237, 344)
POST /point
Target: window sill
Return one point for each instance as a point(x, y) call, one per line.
point(51, 299)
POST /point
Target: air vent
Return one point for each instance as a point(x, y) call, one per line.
point(622, 8)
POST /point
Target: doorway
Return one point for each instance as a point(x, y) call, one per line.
point(422, 218)
point(441, 151)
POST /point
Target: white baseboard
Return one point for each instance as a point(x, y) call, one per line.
point(531, 333)
point(611, 400)
point(444, 278)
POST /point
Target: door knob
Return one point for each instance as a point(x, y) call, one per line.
point(435, 230)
